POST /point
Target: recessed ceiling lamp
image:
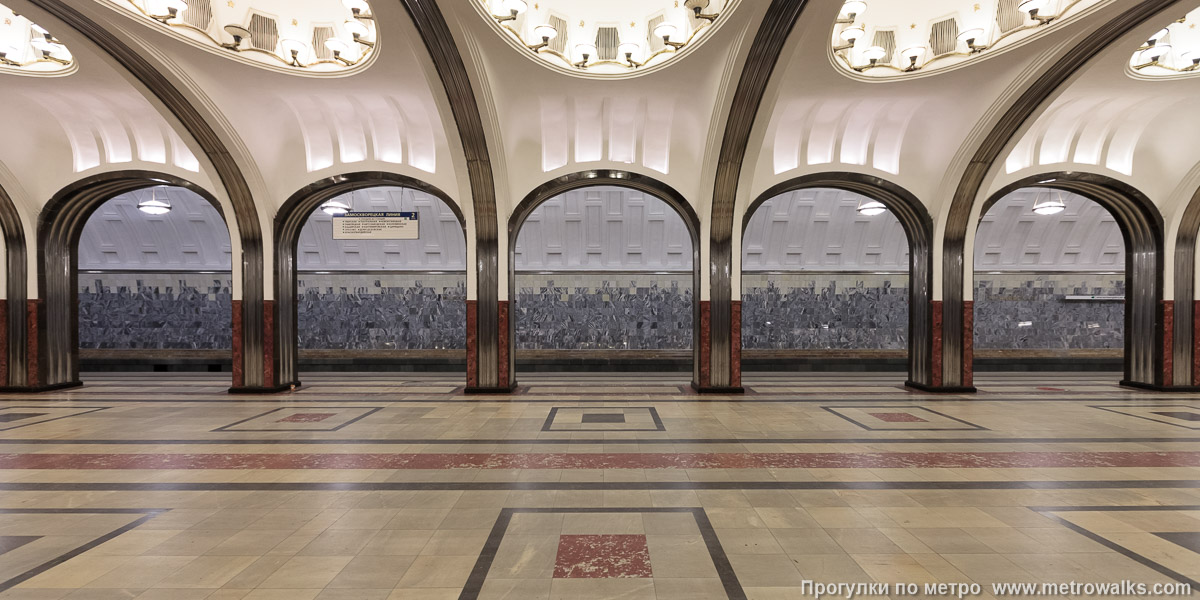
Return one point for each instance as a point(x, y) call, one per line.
point(156, 204)
point(335, 207)
point(870, 208)
point(1052, 204)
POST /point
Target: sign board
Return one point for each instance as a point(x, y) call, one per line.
point(376, 226)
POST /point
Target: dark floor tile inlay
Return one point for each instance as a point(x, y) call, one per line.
point(8, 543)
point(10, 417)
point(1187, 539)
point(1183, 416)
point(897, 417)
point(306, 418)
point(604, 418)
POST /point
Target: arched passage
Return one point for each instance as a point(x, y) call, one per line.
point(155, 284)
point(650, 191)
point(918, 229)
point(1145, 363)
point(55, 362)
point(290, 225)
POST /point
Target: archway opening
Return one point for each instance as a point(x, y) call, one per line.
point(390, 302)
point(155, 284)
point(825, 286)
point(604, 280)
point(1050, 286)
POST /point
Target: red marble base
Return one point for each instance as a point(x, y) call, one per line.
point(735, 344)
point(3, 342)
point(503, 347)
point(34, 377)
point(269, 344)
point(238, 347)
point(648, 460)
point(1196, 342)
point(1168, 342)
point(936, 354)
point(968, 344)
point(705, 344)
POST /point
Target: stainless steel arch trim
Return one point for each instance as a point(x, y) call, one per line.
point(918, 227)
point(606, 177)
point(773, 32)
point(985, 157)
point(289, 222)
point(1143, 231)
point(218, 154)
point(60, 226)
point(16, 254)
point(1185, 296)
point(448, 62)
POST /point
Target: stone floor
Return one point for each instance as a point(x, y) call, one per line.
point(595, 486)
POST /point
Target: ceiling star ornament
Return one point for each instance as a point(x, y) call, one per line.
point(658, 31)
point(315, 37)
point(870, 38)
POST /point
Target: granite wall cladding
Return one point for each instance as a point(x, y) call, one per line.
point(604, 311)
point(171, 311)
point(1030, 311)
point(799, 311)
point(382, 311)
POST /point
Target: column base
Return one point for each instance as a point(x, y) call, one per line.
point(286, 387)
point(943, 389)
point(34, 389)
point(708, 389)
point(1137, 385)
point(491, 390)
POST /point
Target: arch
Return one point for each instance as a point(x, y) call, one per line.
point(1186, 372)
point(773, 32)
point(955, 368)
point(251, 364)
point(1146, 363)
point(60, 225)
point(918, 226)
point(583, 179)
point(289, 222)
point(14, 335)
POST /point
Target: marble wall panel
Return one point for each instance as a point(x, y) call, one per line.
point(382, 311)
point(1030, 311)
point(801, 311)
point(158, 311)
point(604, 311)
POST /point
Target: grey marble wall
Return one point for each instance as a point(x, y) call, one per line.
point(603, 311)
point(382, 311)
point(123, 311)
point(1030, 311)
point(827, 311)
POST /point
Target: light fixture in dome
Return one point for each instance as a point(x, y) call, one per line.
point(29, 48)
point(873, 55)
point(1051, 205)
point(359, 32)
point(238, 33)
point(1035, 8)
point(294, 50)
point(1158, 35)
point(871, 208)
point(629, 50)
point(156, 204)
point(546, 33)
point(665, 30)
point(971, 37)
point(914, 55)
point(1193, 57)
point(850, 35)
point(165, 10)
point(851, 11)
point(1153, 55)
point(359, 9)
point(511, 9)
point(1172, 50)
point(583, 54)
point(335, 207)
point(340, 48)
point(697, 7)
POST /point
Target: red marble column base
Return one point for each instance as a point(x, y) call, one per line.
point(705, 346)
point(34, 380)
point(1196, 342)
point(705, 386)
point(1168, 342)
point(503, 348)
point(936, 353)
point(239, 382)
point(472, 344)
point(735, 344)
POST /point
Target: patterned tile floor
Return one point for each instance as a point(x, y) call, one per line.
point(595, 486)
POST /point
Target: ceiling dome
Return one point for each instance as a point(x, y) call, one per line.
point(1172, 51)
point(896, 38)
point(604, 39)
point(28, 49)
point(314, 37)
